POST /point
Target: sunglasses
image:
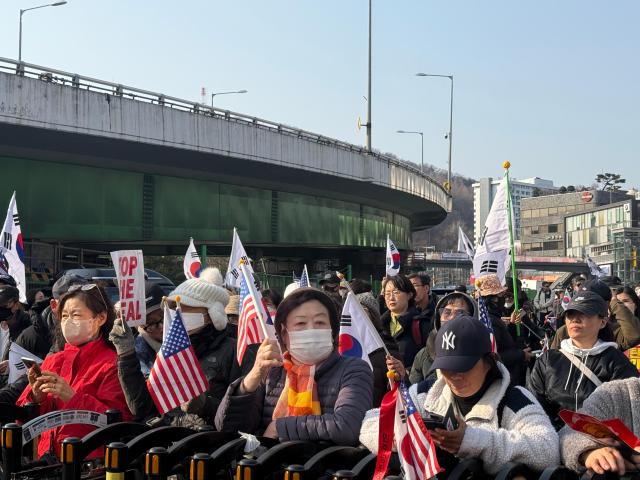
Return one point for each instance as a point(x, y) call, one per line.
point(87, 288)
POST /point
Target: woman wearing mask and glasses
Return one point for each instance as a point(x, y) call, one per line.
point(309, 392)
point(83, 376)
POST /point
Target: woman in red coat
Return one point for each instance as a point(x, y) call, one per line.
point(84, 375)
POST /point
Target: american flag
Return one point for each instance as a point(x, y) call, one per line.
point(304, 278)
point(415, 447)
point(486, 320)
point(249, 329)
point(176, 376)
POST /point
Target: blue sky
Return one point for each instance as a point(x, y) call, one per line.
point(553, 86)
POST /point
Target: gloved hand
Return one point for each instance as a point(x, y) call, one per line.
point(195, 405)
point(122, 337)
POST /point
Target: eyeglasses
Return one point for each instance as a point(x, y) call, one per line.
point(87, 288)
point(452, 312)
point(152, 326)
point(393, 293)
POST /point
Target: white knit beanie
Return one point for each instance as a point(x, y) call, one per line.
point(292, 287)
point(205, 291)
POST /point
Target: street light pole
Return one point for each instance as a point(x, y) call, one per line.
point(225, 93)
point(369, 88)
point(450, 134)
point(421, 146)
point(22, 11)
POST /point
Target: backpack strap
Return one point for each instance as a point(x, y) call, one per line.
point(583, 368)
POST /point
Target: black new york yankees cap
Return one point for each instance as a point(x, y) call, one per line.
point(460, 343)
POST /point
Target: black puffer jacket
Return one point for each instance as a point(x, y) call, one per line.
point(217, 355)
point(414, 333)
point(37, 337)
point(557, 384)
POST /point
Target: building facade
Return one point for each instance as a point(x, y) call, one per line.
point(542, 224)
point(485, 189)
point(610, 235)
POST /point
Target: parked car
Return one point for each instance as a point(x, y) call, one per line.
point(108, 277)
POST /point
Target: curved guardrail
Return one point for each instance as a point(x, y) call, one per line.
point(403, 174)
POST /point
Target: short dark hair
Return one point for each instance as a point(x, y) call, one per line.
point(402, 283)
point(359, 285)
point(304, 295)
point(96, 300)
point(425, 279)
point(274, 295)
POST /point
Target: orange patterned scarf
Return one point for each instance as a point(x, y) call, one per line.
point(299, 395)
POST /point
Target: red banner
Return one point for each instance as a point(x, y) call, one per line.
point(385, 432)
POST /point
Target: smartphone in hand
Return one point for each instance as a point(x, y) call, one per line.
point(30, 362)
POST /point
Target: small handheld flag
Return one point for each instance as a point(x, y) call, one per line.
point(255, 322)
point(191, 265)
point(303, 282)
point(393, 259)
point(238, 255)
point(12, 248)
point(464, 244)
point(358, 337)
point(486, 320)
point(176, 376)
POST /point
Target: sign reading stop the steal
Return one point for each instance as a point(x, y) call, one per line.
point(129, 267)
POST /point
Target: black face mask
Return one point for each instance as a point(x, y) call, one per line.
point(5, 313)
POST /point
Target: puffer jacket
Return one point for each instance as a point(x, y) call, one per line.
point(217, 355)
point(424, 358)
point(624, 324)
point(90, 371)
point(557, 384)
point(522, 434)
point(412, 337)
point(617, 399)
point(344, 386)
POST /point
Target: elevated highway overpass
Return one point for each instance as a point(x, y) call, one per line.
point(98, 164)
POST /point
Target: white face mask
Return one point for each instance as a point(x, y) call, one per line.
point(79, 332)
point(311, 346)
point(508, 305)
point(191, 320)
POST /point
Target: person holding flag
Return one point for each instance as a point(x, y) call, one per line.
point(202, 302)
point(309, 392)
point(492, 302)
point(496, 422)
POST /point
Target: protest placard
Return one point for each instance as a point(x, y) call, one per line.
point(129, 266)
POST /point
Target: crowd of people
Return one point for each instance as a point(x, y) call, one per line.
point(564, 349)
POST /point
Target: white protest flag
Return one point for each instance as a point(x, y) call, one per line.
point(358, 337)
point(594, 268)
point(191, 264)
point(233, 278)
point(16, 367)
point(464, 244)
point(492, 253)
point(393, 259)
point(12, 248)
point(129, 266)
